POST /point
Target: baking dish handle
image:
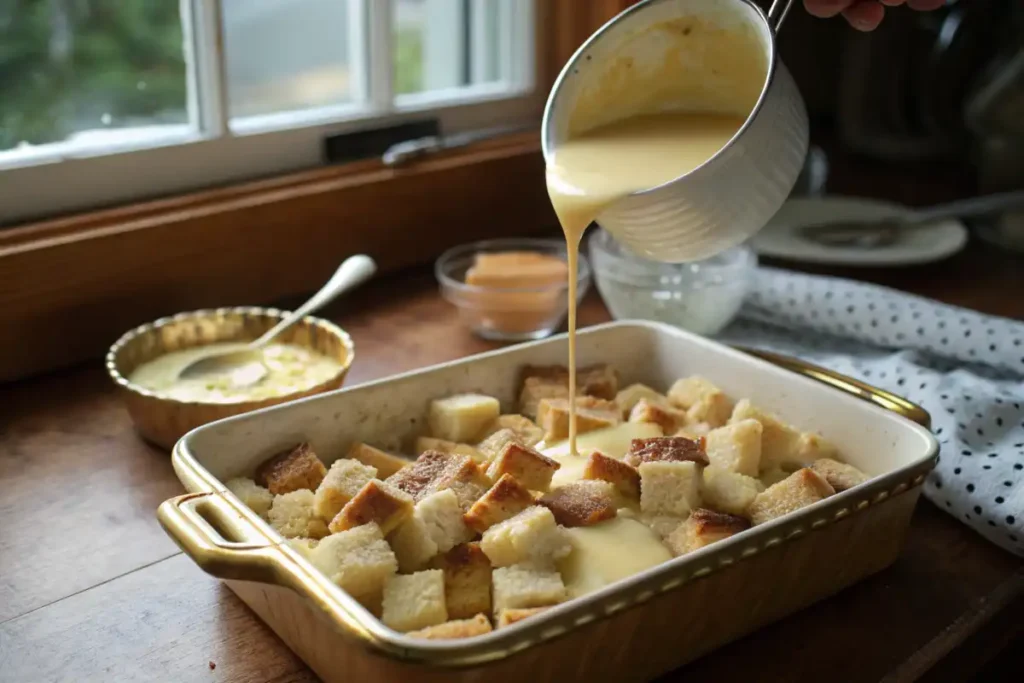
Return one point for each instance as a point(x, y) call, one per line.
point(879, 397)
point(219, 538)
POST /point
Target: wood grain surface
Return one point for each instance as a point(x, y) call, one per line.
point(91, 588)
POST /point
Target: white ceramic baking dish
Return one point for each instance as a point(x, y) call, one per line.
point(632, 630)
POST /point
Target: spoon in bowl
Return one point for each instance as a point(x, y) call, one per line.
point(246, 366)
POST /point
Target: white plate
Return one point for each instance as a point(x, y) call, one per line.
point(780, 238)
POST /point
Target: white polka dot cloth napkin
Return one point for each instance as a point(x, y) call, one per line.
point(965, 368)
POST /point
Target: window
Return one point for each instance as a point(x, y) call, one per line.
point(105, 101)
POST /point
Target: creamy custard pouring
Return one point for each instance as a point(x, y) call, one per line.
point(594, 170)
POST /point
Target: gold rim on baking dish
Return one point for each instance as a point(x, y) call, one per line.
point(228, 541)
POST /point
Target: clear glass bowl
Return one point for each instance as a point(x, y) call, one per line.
point(508, 314)
point(702, 297)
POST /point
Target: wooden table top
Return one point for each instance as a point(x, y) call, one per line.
point(92, 589)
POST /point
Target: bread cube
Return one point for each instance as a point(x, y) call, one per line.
point(772, 476)
point(467, 580)
point(441, 513)
point(634, 393)
point(811, 447)
point(537, 389)
point(376, 502)
point(702, 401)
point(344, 480)
point(512, 615)
point(728, 491)
point(693, 430)
point(303, 546)
point(599, 380)
point(428, 443)
point(385, 463)
point(456, 629)
point(669, 419)
point(800, 489)
point(839, 475)
point(670, 487)
point(292, 516)
point(779, 441)
point(504, 500)
point(552, 381)
point(414, 601)
point(666, 448)
point(526, 431)
point(253, 496)
point(736, 447)
point(463, 417)
point(434, 471)
point(358, 560)
point(494, 444)
point(582, 503)
point(413, 545)
point(662, 525)
point(591, 413)
point(532, 469)
point(298, 468)
point(624, 477)
point(526, 586)
point(531, 536)
point(704, 527)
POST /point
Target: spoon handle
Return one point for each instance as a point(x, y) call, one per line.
point(352, 272)
point(970, 208)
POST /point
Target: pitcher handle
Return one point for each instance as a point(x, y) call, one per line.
point(777, 14)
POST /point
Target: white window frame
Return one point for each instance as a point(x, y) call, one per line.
point(62, 178)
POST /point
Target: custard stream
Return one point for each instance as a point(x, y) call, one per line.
point(591, 172)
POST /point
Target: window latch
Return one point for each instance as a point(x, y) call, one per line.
point(410, 150)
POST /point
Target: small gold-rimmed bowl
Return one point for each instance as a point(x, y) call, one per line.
point(162, 420)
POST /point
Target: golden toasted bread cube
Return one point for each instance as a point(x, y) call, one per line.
point(442, 514)
point(661, 525)
point(773, 476)
point(800, 489)
point(467, 580)
point(552, 381)
point(525, 586)
point(436, 471)
point(702, 400)
point(377, 502)
point(295, 469)
point(779, 441)
point(599, 380)
point(704, 527)
point(694, 430)
point(359, 561)
point(429, 443)
point(413, 545)
point(462, 418)
point(530, 468)
point(531, 536)
point(666, 448)
point(255, 497)
point(582, 503)
point(385, 463)
point(669, 487)
point(292, 515)
point(511, 615)
point(344, 480)
point(811, 447)
point(736, 447)
point(504, 500)
point(494, 444)
point(455, 629)
point(839, 475)
point(591, 413)
point(414, 601)
point(536, 389)
point(669, 419)
point(634, 393)
point(624, 477)
point(526, 430)
point(728, 491)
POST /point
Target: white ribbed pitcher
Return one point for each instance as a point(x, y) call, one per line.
point(732, 195)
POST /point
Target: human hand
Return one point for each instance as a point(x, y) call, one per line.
point(865, 15)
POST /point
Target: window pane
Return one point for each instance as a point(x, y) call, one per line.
point(90, 73)
point(286, 55)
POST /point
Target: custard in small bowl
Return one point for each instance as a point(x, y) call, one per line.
point(310, 358)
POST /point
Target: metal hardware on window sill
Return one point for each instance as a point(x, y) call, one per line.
point(411, 150)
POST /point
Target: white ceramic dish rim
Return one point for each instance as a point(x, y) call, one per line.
point(661, 578)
